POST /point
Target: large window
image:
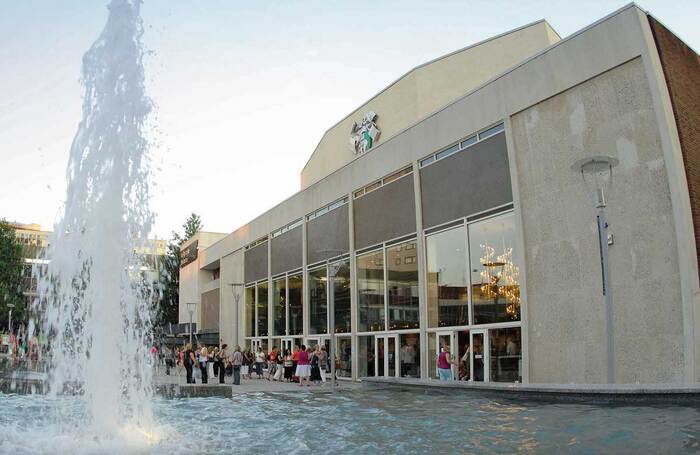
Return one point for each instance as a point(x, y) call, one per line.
point(262, 309)
point(402, 286)
point(409, 355)
point(370, 290)
point(279, 306)
point(344, 348)
point(296, 317)
point(448, 296)
point(506, 359)
point(341, 297)
point(318, 311)
point(495, 275)
point(250, 311)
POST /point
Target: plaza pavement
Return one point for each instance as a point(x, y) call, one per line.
point(178, 381)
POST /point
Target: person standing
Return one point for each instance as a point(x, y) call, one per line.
point(272, 363)
point(189, 362)
point(322, 362)
point(288, 366)
point(303, 368)
point(203, 357)
point(295, 362)
point(259, 362)
point(315, 367)
point(279, 366)
point(444, 364)
point(215, 362)
point(221, 359)
point(237, 361)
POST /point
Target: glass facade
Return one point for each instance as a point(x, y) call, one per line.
point(402, 286)
point(250, 311)
point(506, 356)
point(409, 355)
point(447, 284)
point(262, 309)
point(370, 292)
point(318, 303)
point(296, 315)
point(344, 354)
point(495, 275)
point(341, 297)
point(279, 306)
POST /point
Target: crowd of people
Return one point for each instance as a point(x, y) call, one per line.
point(303, 365)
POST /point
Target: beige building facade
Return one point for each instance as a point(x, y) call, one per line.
point(458, 222)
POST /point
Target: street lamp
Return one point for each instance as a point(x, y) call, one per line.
point(190, 308)
point(596, 172)
point(236, 299)
point(332, 271)
point(9, 316)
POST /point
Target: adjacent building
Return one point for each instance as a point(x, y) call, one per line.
point(444, 212)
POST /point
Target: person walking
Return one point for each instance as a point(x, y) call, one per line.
point(203, 358)
point(221, 360)
point(444, 364)
point(259, 362)
point(189, 361)
point(303, 368)
point(237, 362)
point(247, 364)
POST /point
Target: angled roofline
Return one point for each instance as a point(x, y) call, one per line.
point(422, 65)
point(465, 95)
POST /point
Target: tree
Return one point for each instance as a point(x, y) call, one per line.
point(10, 273)
point(168, 311)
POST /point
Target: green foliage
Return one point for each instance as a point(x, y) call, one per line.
point(168, 311)
point(10, 274)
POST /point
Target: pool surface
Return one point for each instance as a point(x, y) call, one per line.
point(358, 421)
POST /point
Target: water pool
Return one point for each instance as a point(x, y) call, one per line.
point(358, 421)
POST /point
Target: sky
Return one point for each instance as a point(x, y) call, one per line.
point(243, 90)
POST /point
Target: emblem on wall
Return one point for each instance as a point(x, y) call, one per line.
point(364, 135)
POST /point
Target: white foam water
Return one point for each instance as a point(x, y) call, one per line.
point(95, 297)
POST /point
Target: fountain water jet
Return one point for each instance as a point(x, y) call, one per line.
point(94, 299)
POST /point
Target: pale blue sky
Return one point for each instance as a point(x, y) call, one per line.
point(244, 89)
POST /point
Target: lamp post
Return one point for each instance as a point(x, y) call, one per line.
point(332, 271)
point(9, 316)
point(596, 172)
point(236, 299)
point(190, 309)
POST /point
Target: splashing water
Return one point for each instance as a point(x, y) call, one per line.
point(95, 299)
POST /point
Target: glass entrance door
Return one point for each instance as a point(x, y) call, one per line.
point(386, 359)
point(287, 343)
point(446, 340)
point(480, 356)
point(255, 344)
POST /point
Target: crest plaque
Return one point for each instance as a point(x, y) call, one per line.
point(364, 135)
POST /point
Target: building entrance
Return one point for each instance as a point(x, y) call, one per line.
point(386, 359)
point(479, 355)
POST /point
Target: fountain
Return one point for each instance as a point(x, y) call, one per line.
point(94, 300)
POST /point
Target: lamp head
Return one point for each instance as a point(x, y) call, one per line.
point(596, 172)
point(191, 306)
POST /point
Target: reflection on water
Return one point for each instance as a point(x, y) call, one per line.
point(360, 421)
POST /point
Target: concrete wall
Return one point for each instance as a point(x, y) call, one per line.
point(611, 114)
point(425, 89)
point(229, 314)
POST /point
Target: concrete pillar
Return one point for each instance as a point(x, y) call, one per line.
point(422, 274)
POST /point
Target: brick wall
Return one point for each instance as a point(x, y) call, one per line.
point(681, 66)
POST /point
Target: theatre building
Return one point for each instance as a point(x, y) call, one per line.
point(448, 211)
